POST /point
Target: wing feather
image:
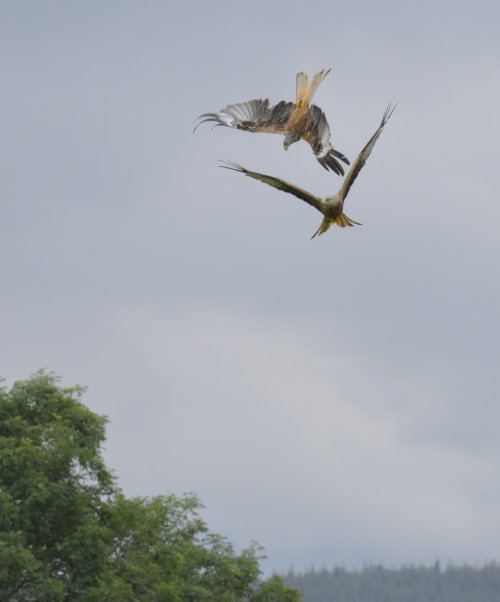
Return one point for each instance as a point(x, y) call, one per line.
point(253, 116)
point(364, 154)
point(278, 183)
point(317, 135)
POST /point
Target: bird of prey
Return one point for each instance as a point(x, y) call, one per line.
point(332, 207)
point(295, 120)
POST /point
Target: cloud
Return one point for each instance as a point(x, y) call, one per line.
point(249, 414)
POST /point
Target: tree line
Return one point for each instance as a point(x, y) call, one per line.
point(406, 584)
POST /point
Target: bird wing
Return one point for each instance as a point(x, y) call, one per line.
point(364, 154)
point(317, 135)
point(253, 116)
point(300, 193)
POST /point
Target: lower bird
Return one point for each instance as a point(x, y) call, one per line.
point(332, 207)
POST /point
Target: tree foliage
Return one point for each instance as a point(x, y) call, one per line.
point(67, 532)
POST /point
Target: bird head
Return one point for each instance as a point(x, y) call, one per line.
point(288, 140)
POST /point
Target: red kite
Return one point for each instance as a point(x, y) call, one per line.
point(294, 120)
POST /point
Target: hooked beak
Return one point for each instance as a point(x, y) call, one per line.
point(285, 145)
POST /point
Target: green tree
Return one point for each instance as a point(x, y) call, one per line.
point(162, 550)
point(274, 590)
point(53, 489)
point(67, 532)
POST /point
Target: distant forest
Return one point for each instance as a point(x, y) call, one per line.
point(407, 584)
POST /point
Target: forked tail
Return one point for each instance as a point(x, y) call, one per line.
point(342, 221)
point(306, 90)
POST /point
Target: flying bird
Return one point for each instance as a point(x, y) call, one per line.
point(296, 121)
point(332, 207)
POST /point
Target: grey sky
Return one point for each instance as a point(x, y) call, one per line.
point(335, 399)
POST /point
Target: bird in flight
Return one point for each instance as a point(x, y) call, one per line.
point(296, 121)
point(332, 207)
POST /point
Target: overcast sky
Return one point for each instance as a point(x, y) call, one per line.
point(336, 399)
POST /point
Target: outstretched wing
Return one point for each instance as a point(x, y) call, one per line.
point(300, 193)
point(253, 116)
point(317, 135)
point(364, 154)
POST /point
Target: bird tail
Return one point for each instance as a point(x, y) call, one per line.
point(302, 85)
point(323, 227)
point(306, 90)
point(342, 221)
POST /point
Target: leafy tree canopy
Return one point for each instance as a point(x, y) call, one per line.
point(67, 532)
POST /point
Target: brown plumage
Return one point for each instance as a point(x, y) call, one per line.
point(332, 207)
point(296, 121)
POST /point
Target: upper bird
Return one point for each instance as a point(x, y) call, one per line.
point(295, 120)
point(332, 207)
